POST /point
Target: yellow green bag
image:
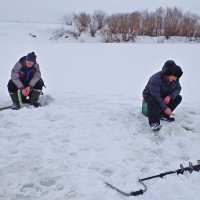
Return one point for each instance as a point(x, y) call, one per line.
point(20, 96)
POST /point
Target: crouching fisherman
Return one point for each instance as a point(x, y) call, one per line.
point(26, 77)
point(162, 94)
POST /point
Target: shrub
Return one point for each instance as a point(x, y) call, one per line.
point(82, 21)
point(125, 27)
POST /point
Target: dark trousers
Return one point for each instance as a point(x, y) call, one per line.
point(12, 88)
point(154, 111)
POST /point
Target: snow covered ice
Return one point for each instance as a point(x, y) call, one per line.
point(90, 128)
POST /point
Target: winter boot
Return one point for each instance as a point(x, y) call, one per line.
point(15, 100)
point(155, 126)
point(167, 118)
point(34, 97)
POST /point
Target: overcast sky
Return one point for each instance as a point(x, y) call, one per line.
point(53, 10)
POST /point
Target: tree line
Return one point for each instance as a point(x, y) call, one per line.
point(125, 27)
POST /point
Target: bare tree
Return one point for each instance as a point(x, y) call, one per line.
point(134, 23)
point(97, 22)
point(82, 21)
point(100, 18)
point(172, 22)
point(148, 23)
point(113, 23)
point(189, 25)
point(159, 15)
point(123, 27)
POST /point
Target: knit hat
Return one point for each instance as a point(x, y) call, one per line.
point(169, 63)
point(174, 70)
point(31, 57)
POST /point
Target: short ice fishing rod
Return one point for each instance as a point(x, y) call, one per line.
point(181, 170)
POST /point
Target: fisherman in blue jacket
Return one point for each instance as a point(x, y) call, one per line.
point(26, 77)
point(162, 94)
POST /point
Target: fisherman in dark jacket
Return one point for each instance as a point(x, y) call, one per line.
point(26, 77)
point(162, 94)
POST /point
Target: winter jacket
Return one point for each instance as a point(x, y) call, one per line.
point(159, 87)
point(23, 76)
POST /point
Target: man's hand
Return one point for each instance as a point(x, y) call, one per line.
point(26, 91)
point(168, 111)
point(167, 99)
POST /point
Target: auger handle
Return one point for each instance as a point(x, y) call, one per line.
point(139, 192)
point(136, 193)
